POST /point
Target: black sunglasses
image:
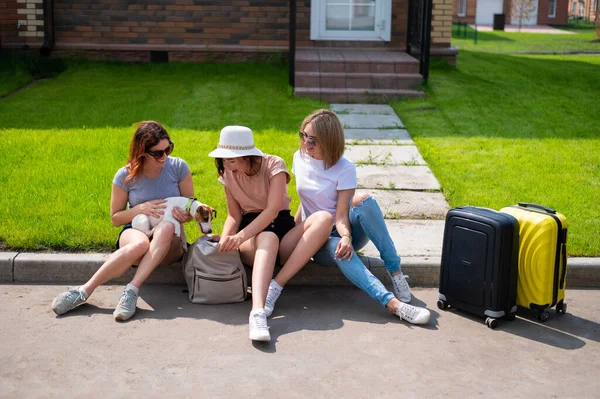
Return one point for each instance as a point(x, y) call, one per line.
point(310, 140)
point(158, 154)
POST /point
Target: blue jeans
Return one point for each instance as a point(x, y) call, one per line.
point(367, 223)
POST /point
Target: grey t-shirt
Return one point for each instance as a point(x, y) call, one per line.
point(144, 189)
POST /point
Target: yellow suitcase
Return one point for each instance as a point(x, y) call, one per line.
point(542, 258)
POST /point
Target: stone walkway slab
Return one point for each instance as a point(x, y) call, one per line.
point(363, 109)
point(413, 238)
point(361, 121)
point(384, 155)
point(378, 136)
point(399, 204)
point(396, 177)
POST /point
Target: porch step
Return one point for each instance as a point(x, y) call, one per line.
point(340, 80)
point(365, 96)
point(356, 75)
point(354, 60)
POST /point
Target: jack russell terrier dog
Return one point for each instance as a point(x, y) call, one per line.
point(202, 213)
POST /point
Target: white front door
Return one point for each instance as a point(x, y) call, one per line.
point(485, 10)
point(528, 15)
point(350, 19)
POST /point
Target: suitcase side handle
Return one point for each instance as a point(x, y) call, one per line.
point(530, 205)
point(563, 254)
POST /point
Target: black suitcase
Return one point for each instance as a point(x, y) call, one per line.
point(480, 257)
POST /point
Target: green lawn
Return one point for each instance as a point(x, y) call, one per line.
point(63, 140)
point(585, 39)
point(497, 130)
point(13, 74)
point(500, 129)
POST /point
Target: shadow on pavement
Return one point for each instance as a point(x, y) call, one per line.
point(567, 323)
point(556, 332)
point(87, 309)
point(302, 307)
point(326, 308)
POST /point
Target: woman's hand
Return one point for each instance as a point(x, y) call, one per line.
point(154, 208)
point(180, 215)
point(344, 248)
point(230, 243)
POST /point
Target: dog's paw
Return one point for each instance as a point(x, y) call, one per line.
point(214, 238)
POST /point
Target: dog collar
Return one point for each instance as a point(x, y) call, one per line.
point(189, 204)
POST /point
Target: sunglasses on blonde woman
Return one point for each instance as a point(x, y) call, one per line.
point(158, 154)
point(310, 140)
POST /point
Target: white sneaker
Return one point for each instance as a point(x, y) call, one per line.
point(68, 300)
point(412, 314)
point(272, 296)
point(126, 307)
point(400, 287)
point(259, 330)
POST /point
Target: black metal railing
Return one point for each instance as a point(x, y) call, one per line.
point(292, 45)
point(418, 42)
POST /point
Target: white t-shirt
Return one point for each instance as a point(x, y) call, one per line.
point(317, 187)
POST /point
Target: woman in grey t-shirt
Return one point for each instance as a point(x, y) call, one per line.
point(139, 187)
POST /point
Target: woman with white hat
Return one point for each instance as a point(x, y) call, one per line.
point(259, 223)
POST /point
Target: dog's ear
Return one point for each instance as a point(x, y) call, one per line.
point(213, 212)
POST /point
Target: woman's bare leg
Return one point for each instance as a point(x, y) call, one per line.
point(133, 245)
point(261, 252)
point(159, 247)
point(301, 243)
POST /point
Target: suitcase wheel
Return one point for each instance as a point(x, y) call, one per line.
point(510, 317)
point(491, 322)
point(442, 305)
point(543, 316)
point(561, 307)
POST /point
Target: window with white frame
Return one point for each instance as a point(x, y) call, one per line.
point(350, 20)
point(581, 8)
point(574, 7)
point(551, 8)
point(461, 8)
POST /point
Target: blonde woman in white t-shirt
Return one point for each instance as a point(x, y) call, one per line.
point(326, 181)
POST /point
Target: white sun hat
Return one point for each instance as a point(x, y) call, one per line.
point(235, 142)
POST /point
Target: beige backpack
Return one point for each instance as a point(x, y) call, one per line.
point(213, 276)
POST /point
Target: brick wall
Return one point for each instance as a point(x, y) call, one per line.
point(249, 23)
point(441, 23)
point(20, 22)
point(562, 13)
point(469, 15)
point(8, 12)
point(253, 23)
point(589, 10)
point(238, 29)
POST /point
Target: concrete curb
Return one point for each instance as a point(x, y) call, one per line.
point(65, 268)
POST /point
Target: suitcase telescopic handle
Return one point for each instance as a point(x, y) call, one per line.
point(530, 205)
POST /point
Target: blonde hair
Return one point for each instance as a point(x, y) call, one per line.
point(330, 135)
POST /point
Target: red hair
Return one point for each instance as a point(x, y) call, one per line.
point(147, 135)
